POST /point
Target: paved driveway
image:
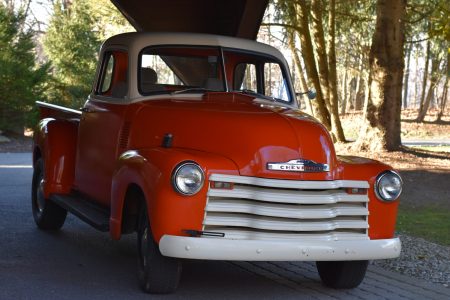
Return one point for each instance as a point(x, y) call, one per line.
point(81, 263)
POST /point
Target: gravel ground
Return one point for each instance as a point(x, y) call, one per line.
point(421, 259)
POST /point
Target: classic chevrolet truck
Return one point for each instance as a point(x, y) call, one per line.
point(196, 143)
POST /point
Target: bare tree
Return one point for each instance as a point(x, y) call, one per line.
point(298, 68)
point(332, 74)
point(429, 94)
point(444, 97)
point(310, 64)
point(406, 76)
point(425, 78)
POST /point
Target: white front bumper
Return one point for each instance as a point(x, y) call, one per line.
point(257, 250)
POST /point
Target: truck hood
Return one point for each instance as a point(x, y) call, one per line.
point(251, 132)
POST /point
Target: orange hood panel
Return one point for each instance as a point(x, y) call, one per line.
point(232, 125)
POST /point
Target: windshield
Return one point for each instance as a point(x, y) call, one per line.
point(170, 69)
point(185, 69)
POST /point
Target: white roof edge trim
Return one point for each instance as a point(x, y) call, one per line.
point(283, 183)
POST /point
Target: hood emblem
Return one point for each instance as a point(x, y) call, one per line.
point(298, 165)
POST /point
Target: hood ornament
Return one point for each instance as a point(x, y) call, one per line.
point(298, 165)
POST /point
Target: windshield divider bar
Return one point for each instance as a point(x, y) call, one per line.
point(223, 69)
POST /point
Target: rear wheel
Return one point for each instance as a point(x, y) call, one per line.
point(342, 274)
point(158, 274)
point(47, 215)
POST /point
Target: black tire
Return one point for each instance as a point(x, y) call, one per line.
point(342, 274)
point(47, 215)
point(158, 274)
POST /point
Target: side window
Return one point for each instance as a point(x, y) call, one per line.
point(245, 77)
point(107, 75)
point(113, 79)
point(274, 82)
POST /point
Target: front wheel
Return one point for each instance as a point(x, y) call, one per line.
point(47, 215)
point(342, 274)
point(158, 274)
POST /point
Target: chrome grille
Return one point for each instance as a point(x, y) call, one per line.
point(268, 209)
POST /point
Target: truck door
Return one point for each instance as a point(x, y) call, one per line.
point(100, 127)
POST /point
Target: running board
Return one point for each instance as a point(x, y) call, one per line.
point(89, 212)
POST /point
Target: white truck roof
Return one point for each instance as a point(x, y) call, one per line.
point(136, 41)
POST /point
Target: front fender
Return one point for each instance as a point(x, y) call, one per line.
point(382, 215)
point(151, 170)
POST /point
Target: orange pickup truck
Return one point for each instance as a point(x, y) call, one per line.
point(196, 143)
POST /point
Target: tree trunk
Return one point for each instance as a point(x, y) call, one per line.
point(344, 91)
point(299, 70)
point(445, 91)
point(381, 128)
point(351, 94)
point(359, 95)
point(332, 79)
point(310, 64)
point(416, 83)
point(443, 101)
point(433, 83)
point(425, 79)
point(319, 41)
point(406, 81)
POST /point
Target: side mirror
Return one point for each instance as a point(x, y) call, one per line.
point(311, 94)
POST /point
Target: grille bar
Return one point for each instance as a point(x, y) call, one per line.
point(287, 196)
point(270, 223)
point(285, 210)
point(248, 234)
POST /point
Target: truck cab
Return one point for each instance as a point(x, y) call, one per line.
point(195, 142)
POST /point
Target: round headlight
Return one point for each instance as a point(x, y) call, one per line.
point(388, 186)
point(188, 178)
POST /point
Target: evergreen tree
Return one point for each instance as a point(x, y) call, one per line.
point(71, 45)
point(21, 81)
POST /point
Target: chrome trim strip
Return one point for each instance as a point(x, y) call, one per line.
point(293, 184)
point(57, 107)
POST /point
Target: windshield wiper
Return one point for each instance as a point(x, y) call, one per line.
point(192, 90)
point(259, 95)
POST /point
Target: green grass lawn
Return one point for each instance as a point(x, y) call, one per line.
point(430, 223)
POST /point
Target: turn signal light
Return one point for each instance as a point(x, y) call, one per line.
point(356, 191)
point(221, 185)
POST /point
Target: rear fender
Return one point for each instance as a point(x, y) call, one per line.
point(151, 170)
point(56, 142)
